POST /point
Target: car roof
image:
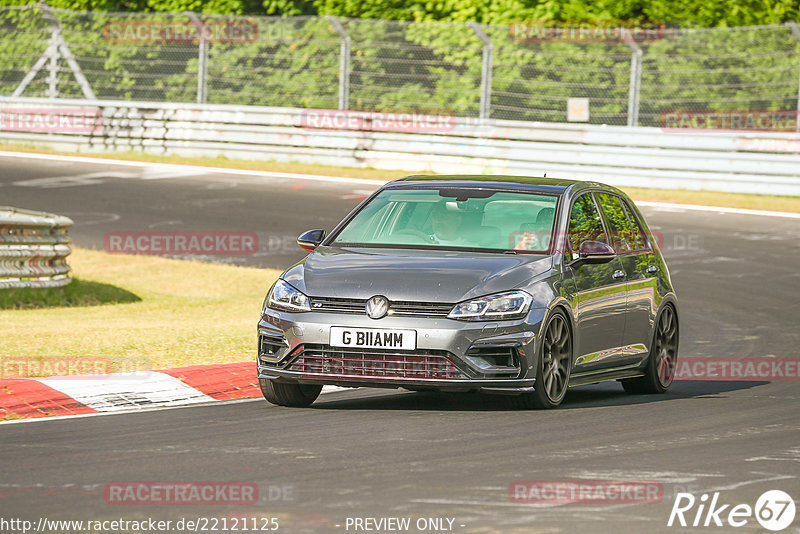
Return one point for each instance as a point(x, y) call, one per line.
point(528, 183)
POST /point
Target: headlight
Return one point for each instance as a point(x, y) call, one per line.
point(511, 305)
point(285, 297)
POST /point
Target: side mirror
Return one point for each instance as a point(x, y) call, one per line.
point(311, 239)
point(592, 253)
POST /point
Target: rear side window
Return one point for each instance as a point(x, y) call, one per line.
point(585, 223)
point(624, 232)
point(638, 233)
point(619, 227)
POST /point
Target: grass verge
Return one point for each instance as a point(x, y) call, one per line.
point(187, 313)
point(708, 198)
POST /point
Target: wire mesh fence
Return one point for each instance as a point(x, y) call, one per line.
point(529, 71)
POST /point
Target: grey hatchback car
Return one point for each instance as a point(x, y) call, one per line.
point(497, 284)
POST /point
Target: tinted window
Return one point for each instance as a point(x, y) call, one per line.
point(625, 233)
point(638, 233)
point(621, 234)
point(585, 223)
point(454, 218)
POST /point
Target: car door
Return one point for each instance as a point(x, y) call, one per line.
point(629, 242)
point(600, 298)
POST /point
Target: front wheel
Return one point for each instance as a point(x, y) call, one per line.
point(294, 395)
point(663, 358)
point(554, 365)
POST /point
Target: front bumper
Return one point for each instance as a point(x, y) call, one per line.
point(298, 332)
point(511, 386)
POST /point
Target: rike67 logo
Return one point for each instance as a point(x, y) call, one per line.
point(774, 510)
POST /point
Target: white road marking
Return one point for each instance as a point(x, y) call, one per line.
point(126, 391)
point(769, 477)
point(165, 223)
point(157, 172)
point(788, 455)
point(88, 178)
point(151, 172)
point(198, 169)
point(666, 477)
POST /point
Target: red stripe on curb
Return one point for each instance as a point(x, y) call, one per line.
point(27, 398)
point(222, 382)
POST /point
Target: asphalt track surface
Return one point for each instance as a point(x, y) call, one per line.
point(387, 453)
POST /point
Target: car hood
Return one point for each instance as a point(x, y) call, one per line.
point(412, 275)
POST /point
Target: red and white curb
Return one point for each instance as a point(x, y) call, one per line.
point(119, 392)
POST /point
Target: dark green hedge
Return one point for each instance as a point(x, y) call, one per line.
point(426, 65)
point(699, 13)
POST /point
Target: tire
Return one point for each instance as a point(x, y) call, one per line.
point(293, 395)
point(553, 367)
point(663, 358)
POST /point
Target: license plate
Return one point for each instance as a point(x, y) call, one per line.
point(373, 338)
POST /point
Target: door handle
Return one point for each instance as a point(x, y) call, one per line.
point(652, 269)
point(618, 274)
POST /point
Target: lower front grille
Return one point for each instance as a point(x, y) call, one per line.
point(373, 363)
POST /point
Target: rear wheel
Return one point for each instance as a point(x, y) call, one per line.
point(294, 395)
point(663, 358)
point(554, 366)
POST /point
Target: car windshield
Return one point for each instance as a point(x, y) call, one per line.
point(453, 218)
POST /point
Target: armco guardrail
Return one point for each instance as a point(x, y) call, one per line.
point(33, 249)
point(765, 162)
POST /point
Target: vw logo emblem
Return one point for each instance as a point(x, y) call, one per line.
point(377, 307)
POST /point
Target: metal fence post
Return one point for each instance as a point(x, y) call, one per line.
point(58, 48)
point(635, 85)
point(344, 62)
point(486, 70)
point(793, 26)
point(202, 57)
point(52, 75)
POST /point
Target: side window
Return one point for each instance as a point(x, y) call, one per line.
point(623, 238)
point(585, 223)
point(638, 233)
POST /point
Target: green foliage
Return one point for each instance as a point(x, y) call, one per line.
point(294, 63)
point(427, 65)
point(701, 13)
point(697, 13)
